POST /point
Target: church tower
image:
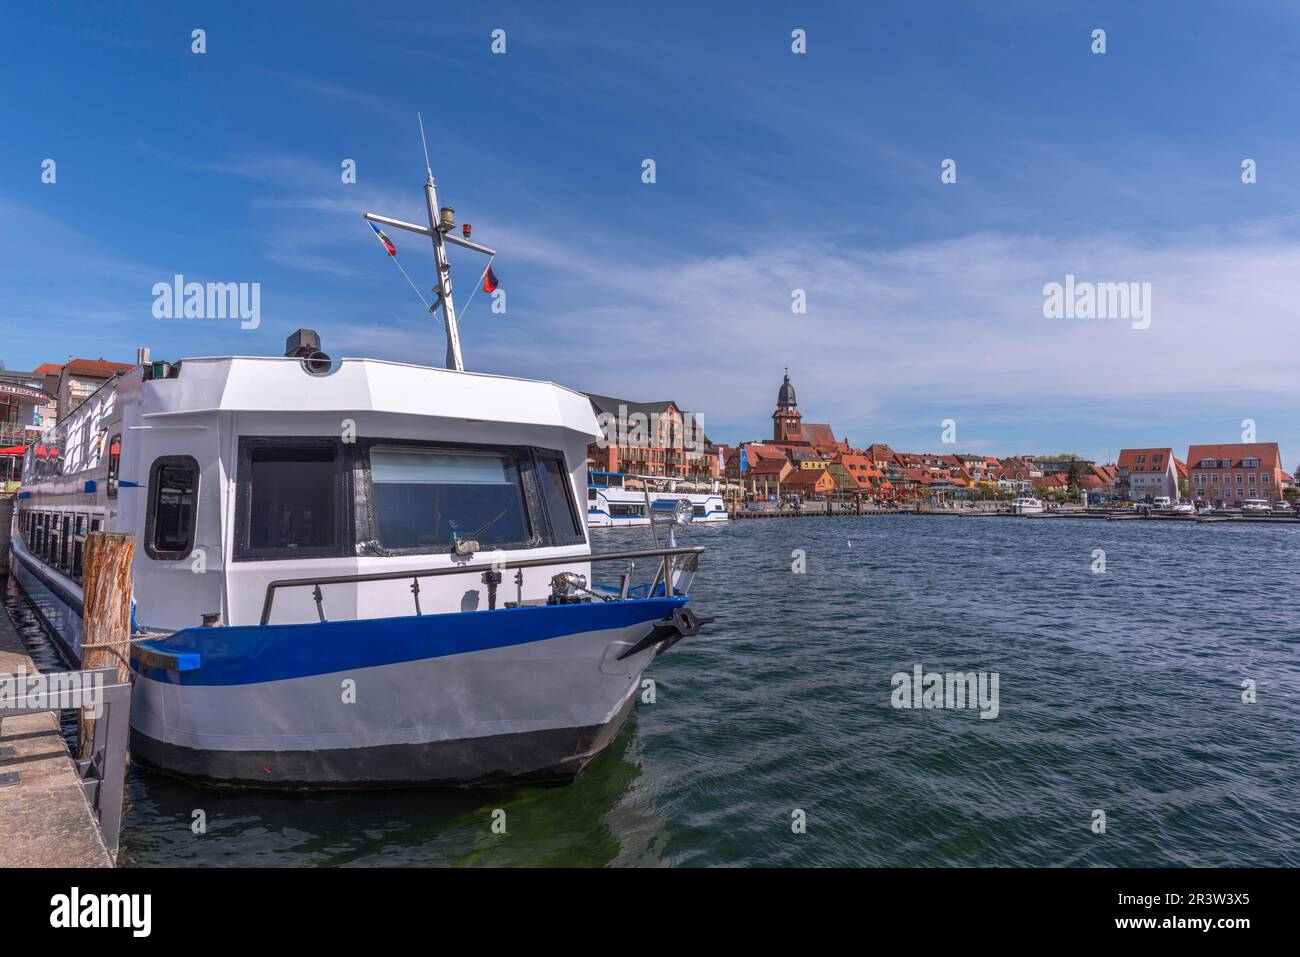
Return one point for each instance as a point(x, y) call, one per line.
point(785, 420)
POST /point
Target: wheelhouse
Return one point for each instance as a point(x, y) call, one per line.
point(371, 467)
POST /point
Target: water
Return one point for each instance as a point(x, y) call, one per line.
point(1118, 691)
point(43, 652)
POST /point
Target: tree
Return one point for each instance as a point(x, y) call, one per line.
point(1077, 472)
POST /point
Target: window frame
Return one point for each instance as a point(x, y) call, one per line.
point(541, 534)
point(66, 520)
point(344, 497)
point(367, 527)
point(80, 527)
point(151, 510)
point(575, 532)
point(113, 467)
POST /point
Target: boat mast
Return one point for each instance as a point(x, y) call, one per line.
point(454, 361)
point(441, 223)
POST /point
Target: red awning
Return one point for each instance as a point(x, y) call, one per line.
point(14, 450)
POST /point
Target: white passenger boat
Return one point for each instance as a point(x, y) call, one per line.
point(610, 502)
point(1027, 505)
point(351, 573)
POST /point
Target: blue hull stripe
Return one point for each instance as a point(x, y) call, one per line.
point(249, 654)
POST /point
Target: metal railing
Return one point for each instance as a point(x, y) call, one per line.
point(103, 773)
point(667, 556)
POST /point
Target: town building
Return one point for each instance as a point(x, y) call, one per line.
point(49, 412)
point(809, 482)
point(79, 379)
point(1234, 472)
point(22, 396)
point(856, 473)
point(1145, 474)
point(651, 438)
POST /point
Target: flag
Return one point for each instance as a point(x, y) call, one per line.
point(489, 280)
point(388, 243)
point(744, 461)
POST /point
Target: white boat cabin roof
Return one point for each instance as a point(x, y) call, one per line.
point(280, 384)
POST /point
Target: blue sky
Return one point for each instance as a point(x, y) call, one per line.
point(775, 171)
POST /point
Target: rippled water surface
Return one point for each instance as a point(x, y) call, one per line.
point(1118, 691)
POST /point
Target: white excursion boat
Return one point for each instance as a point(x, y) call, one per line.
point(611, 503)
point(351, 573)
point(1027, 505)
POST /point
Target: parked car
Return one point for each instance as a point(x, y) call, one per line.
point(1162, 502)
point(1281, 505)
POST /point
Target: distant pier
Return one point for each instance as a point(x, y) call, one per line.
point(1103, 514)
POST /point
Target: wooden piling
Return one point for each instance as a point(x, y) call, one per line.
point(106, 614)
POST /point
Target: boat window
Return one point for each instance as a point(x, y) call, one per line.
point(114, 461)
point(78, 547)
point(558, 496)
point(427, 498)
point(65, 542)
point(169, 524)
point(292, 499)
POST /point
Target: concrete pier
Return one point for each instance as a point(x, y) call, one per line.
point(45, 820)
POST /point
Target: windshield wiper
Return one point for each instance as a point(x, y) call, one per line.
point(489, 523)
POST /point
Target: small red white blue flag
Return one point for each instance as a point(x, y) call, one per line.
point(388, 243)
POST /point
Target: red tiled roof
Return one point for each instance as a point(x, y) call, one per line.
point(97, 368)
point(759, 451)
point(802, 477)
point(1128, 457)
point(1267, 453)
point(861, 468)
point(819, 435)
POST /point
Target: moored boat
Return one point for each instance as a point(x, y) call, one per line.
point(352, 573)
point(1027, 505)
point(612, 502)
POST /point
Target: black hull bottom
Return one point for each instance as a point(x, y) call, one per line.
point(545, 758)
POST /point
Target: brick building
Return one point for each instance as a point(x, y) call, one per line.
point(1235, 472)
